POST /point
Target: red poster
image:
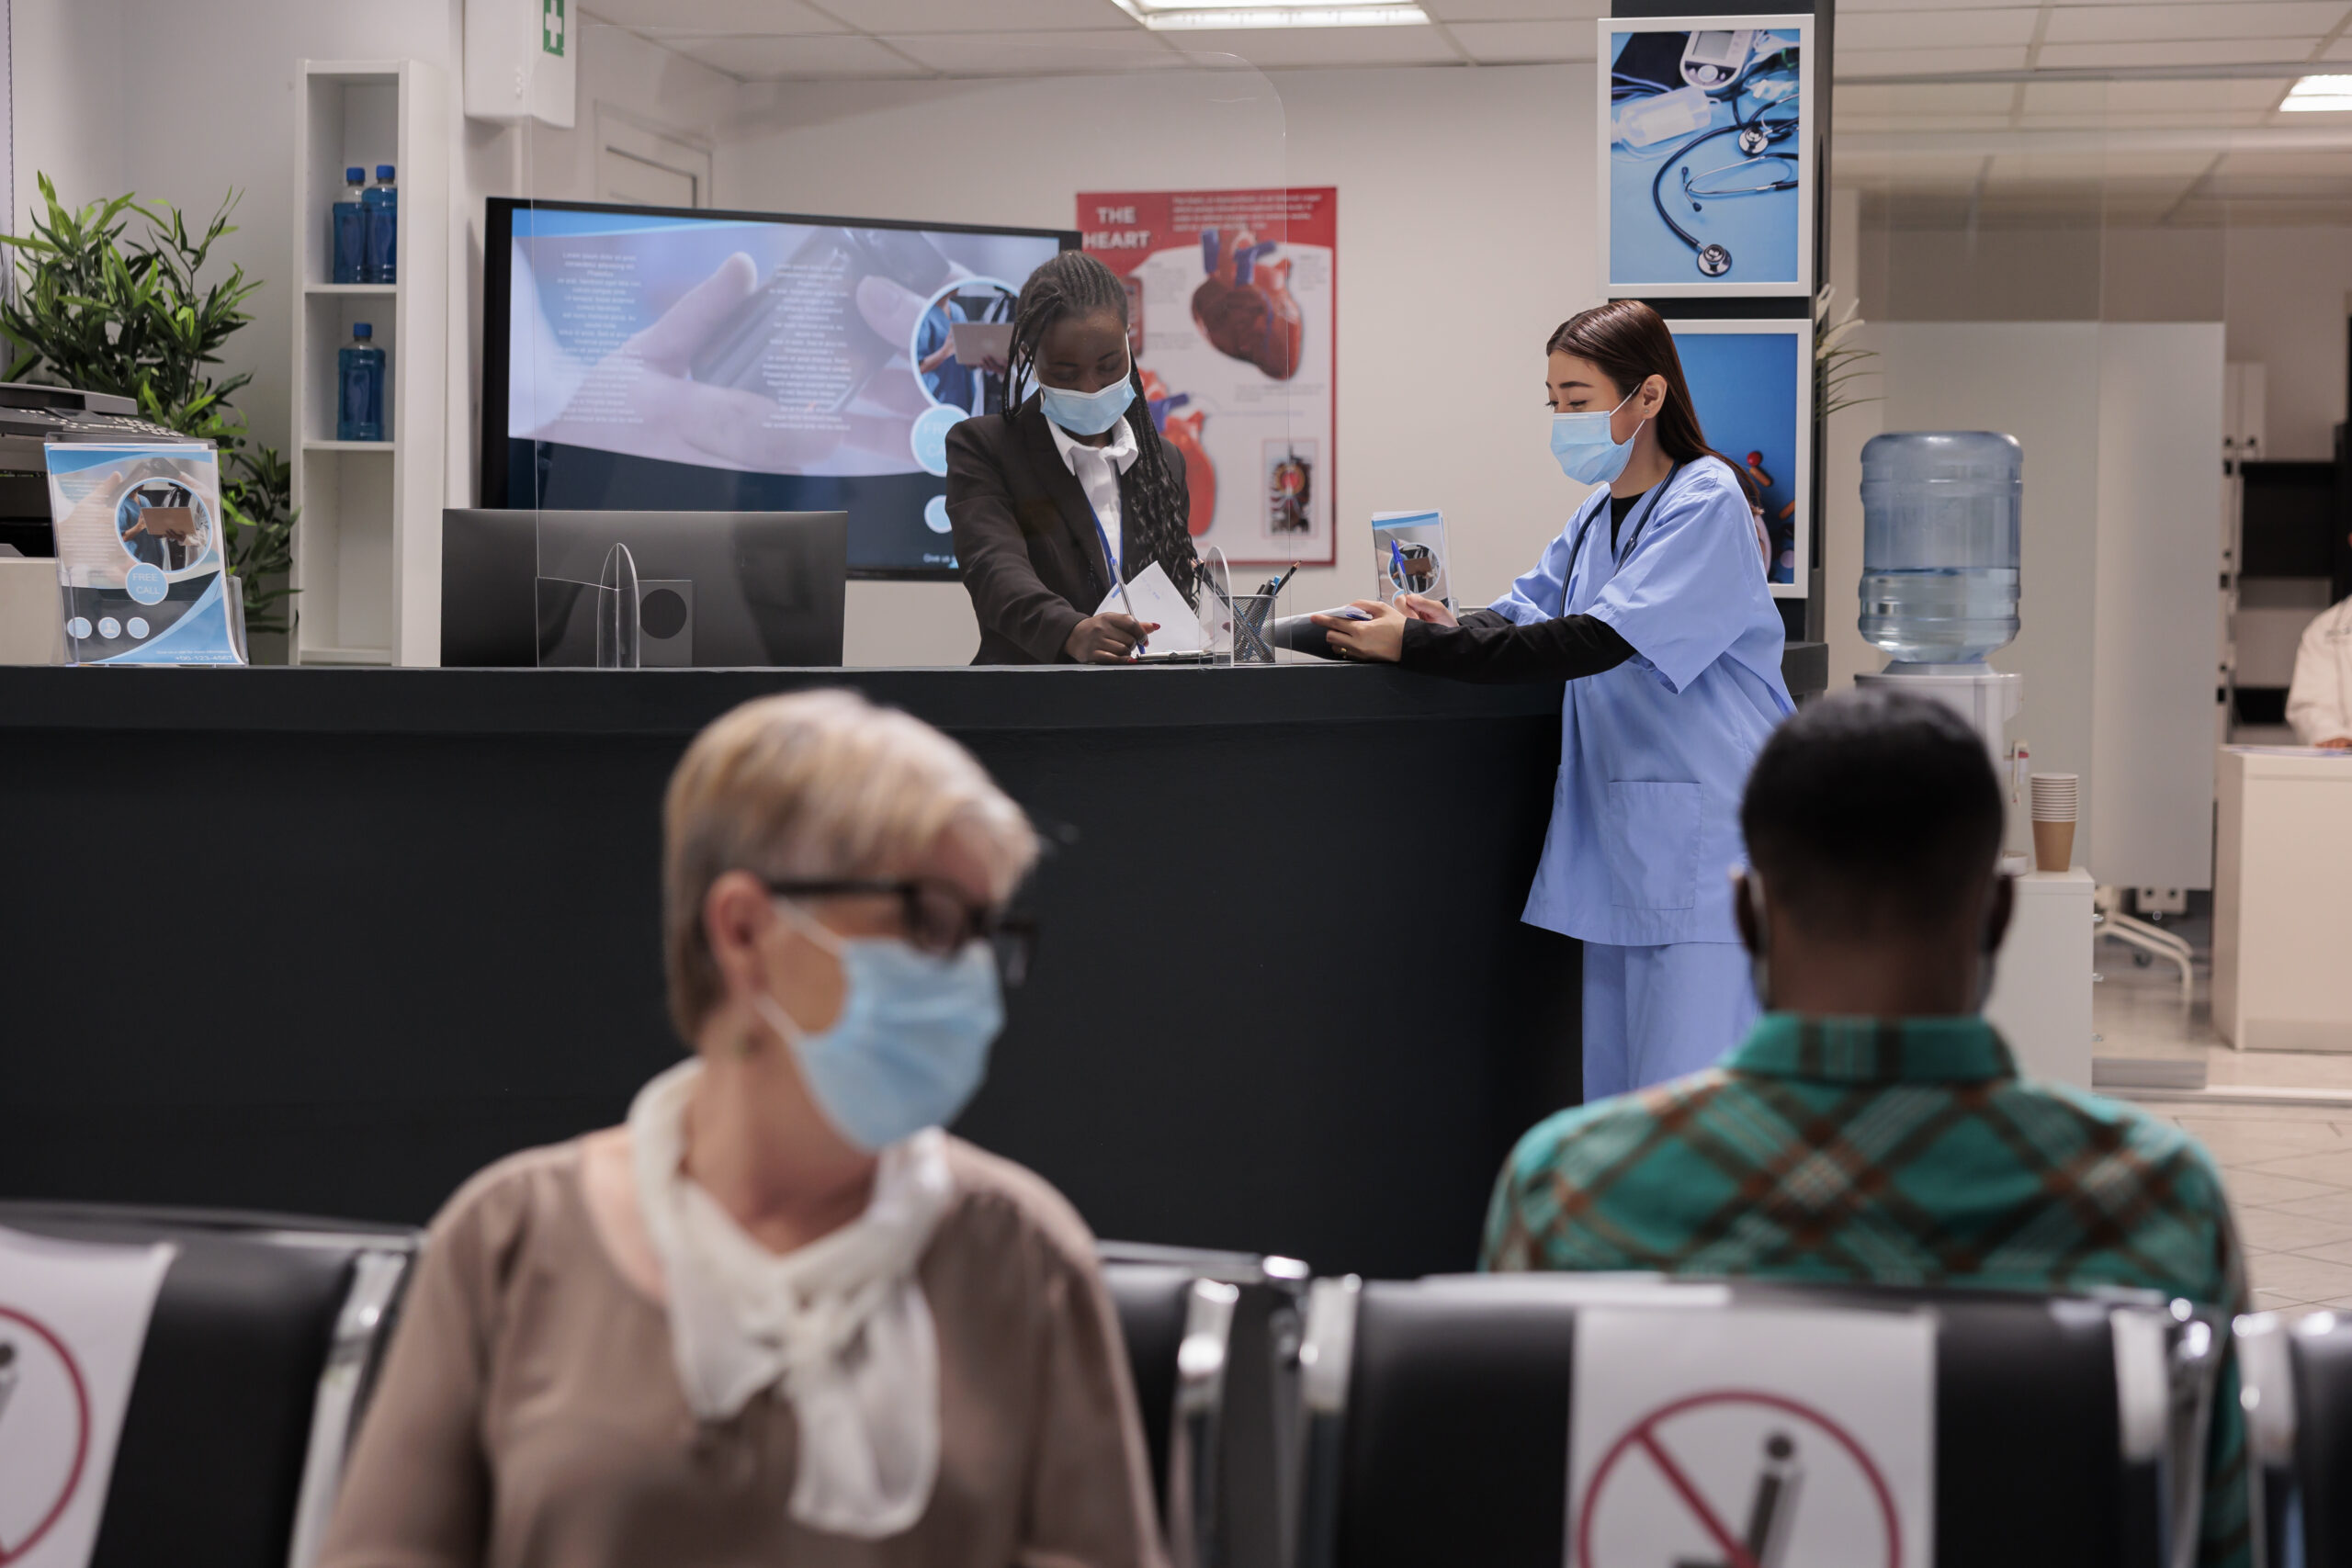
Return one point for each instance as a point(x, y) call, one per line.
point(1232, 306)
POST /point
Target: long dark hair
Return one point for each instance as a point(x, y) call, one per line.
point(1075, 284)
point(1630, 344)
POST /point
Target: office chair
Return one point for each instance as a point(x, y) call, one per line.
point(2068, 1430)
point(2298, 1394)
point(1213, 1345)
point(259, 1357)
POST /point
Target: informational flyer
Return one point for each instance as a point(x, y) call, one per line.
point(140, 555)
point(1232, 313)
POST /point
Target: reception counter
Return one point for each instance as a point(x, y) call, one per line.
point(331, 940)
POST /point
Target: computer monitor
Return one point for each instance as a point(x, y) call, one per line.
point(636, 357)
point(715, 589)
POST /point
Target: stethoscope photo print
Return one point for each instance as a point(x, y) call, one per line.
point(1705, 158)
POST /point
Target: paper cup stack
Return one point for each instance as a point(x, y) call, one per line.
point(2057, 802)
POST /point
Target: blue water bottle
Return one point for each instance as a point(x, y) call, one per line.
point(348, 229)
point(383, 228)
point(359, 395)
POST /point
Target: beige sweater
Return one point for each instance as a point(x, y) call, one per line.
point(528, 1415)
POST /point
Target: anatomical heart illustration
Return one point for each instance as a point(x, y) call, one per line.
point(1244, 305)
point(1182, 431)
point(1231, 318)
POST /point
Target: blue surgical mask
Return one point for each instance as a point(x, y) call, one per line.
point(1089, 414)
point(1582, 444)
point(912, 1045)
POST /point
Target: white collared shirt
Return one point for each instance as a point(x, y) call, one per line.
point(1097, 469)
point(2318, 705)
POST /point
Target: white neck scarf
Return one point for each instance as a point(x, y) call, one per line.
point(841, 1322)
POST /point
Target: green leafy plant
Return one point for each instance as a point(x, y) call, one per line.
point(1836, 365)
point(130, 316)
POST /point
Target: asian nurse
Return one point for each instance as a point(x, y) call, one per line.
point(1663, 629)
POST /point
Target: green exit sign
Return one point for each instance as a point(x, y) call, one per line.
point(551, 27)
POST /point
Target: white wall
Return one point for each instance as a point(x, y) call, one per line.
point(2286, 297)
point(75, 61)
point(1460, 249)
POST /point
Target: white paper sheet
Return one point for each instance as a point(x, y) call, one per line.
point(1155, 599)
point(72, 1323)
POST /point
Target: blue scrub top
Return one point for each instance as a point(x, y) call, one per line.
point(1653, 754)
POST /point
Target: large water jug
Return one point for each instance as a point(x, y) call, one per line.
point(1940, 543)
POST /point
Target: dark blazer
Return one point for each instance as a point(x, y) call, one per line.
point(1025, 537)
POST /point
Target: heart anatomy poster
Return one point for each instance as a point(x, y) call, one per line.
point(1231, 301)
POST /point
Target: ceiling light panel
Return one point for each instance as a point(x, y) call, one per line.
point(2319, 95)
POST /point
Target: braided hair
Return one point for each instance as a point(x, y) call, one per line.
point(1075, 284)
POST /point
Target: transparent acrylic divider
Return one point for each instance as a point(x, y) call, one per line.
point(1216, 605)
point(796, 374)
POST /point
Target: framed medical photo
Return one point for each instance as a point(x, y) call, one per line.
point(1706, 155)
point(1751, 383)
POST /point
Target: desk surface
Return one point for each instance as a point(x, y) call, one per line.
point(679, 702)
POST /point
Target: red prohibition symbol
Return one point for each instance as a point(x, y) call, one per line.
point(1643, 1436)
point(81, 1438)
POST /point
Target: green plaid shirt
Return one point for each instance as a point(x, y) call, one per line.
point(1900, 1152)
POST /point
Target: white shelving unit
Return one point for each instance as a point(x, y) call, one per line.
point(367, 547)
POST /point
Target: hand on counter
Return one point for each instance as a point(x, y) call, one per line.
point(1379, 640)
point(1428, 610)
point(2337, 743)
point(1107, 639)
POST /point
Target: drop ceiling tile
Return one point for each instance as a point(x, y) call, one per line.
point(2142, 120)
point(2340, 50)
point(2315, 165)
point(2209, 52)
point(1037, 55)
point(750, 17)
point(2211, 93)
point(1950, 97)
point(1926, 62)
point(2237, 20)
point(798, 59)
point(1503, 43)
point(1849, 9)
point(1579, 11)
point(1936, 30)
point(974, 15)
point(1277, 49)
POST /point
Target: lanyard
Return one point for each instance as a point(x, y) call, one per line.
point(1640, 520)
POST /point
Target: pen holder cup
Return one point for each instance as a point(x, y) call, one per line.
point(1251, 613)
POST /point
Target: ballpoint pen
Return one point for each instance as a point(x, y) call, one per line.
point(1143, 644)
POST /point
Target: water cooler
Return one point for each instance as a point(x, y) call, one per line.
point(1938, 592)
point(1939, 570)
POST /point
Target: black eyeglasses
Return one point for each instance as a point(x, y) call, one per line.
point(939, 918)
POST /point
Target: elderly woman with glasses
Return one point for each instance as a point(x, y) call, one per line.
point(779, 1316)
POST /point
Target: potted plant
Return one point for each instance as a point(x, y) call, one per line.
point(106, 312)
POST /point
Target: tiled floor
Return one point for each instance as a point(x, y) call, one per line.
point(2279, 1123)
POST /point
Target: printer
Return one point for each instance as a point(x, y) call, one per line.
point(31, 415)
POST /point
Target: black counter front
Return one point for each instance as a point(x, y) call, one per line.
point(331, 940)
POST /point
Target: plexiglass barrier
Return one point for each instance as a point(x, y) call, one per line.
point(733, 315)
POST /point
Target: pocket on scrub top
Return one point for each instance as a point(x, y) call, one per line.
point(1652, 845)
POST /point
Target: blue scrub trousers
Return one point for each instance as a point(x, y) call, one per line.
point(1655, 1013)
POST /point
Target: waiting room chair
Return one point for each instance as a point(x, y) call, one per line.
point(2068, 1430)
point(259, 1357)
point(1212, 1341)
point(2298, 1394)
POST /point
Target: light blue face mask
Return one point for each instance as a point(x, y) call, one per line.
point(912, 1045)
point(1582, 444)
point(1089, 413)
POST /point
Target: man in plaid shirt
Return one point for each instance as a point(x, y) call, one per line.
point(1872, 1126)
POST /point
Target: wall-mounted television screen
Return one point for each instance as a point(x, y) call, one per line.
point(650, 360)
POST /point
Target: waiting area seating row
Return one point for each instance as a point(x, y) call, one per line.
point(1309, 1423)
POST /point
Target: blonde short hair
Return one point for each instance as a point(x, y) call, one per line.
point(816, 785)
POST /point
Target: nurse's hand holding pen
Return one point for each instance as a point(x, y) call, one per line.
point(1378, 639)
